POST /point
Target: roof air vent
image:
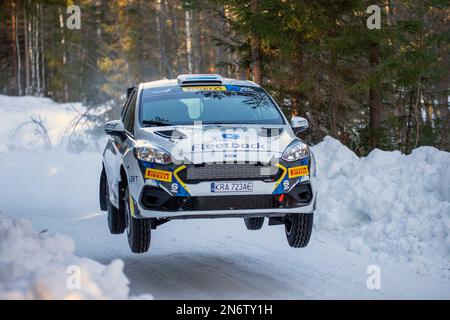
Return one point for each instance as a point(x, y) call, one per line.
point(185, 80)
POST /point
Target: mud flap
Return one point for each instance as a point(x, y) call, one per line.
point(273, 221)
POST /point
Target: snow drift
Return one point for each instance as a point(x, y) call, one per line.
point(388, 205)
point(43, 266)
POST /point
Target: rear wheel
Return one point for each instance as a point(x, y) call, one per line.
point(116, 219)
point(298, 229)
point(138, 230)
point(254, 223)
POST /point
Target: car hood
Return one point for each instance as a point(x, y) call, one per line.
point(219, 143)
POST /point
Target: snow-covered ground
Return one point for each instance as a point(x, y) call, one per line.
point(43, 266)
point(386, 210)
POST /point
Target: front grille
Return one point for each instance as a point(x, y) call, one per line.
point(217, 172)
point(228, 203)
point(154, 198)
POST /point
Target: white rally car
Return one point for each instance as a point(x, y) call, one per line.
point(203, 146)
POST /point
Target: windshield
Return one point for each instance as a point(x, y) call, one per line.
point(211, 105)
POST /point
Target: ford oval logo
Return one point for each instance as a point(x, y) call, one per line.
point(230, 136)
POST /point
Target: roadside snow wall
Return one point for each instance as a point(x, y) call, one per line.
point(387, 204)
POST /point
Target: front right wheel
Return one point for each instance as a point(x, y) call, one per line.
point(298, 229)
point(138, 230)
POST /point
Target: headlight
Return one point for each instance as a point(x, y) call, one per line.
point(152, 155)
point(296, 151)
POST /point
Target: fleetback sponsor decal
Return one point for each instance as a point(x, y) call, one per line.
point(205, 88)
point(300, 171)
point(228, 146)
point(160, 175)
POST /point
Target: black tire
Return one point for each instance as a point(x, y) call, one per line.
point(102, 191)
point(298, 229)
point(138, 230)
point(116, 218)
point(254, 223)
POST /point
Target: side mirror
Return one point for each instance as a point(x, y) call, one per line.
point(299, 124)
point(115, 128)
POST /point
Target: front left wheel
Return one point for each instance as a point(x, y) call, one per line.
point(138, 230)
point(116, 218)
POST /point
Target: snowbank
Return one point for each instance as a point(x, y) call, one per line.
point(388, 204)
point(43, 266)
point(40, 123)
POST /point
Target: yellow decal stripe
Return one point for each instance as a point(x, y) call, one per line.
point(175, 174)
point(132, 207)
point(282, 176)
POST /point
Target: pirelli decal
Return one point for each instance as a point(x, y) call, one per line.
point(160, 175)
point(300, 171)
point(205, 88)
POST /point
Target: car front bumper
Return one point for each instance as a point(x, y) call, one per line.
point(210, 206)
point(177, 192)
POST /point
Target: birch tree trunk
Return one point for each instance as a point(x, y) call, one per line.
point(197, 53)
point(187, 20)
point(63, 47)
point(41, 14)
point(38, 80)
point(27, 51)
point(32, 24)
point(219, 51)
point(177, 39)
point(163, 21)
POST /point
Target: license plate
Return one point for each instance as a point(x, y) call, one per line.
point(232, 187)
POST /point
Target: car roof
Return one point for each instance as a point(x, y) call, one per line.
point(172, 82)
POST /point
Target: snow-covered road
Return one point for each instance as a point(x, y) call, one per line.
point(213, 259)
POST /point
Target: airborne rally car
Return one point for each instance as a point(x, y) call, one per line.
point(202, 146)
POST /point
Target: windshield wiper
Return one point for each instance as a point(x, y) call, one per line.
point(216, 122)
point(154, 123)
